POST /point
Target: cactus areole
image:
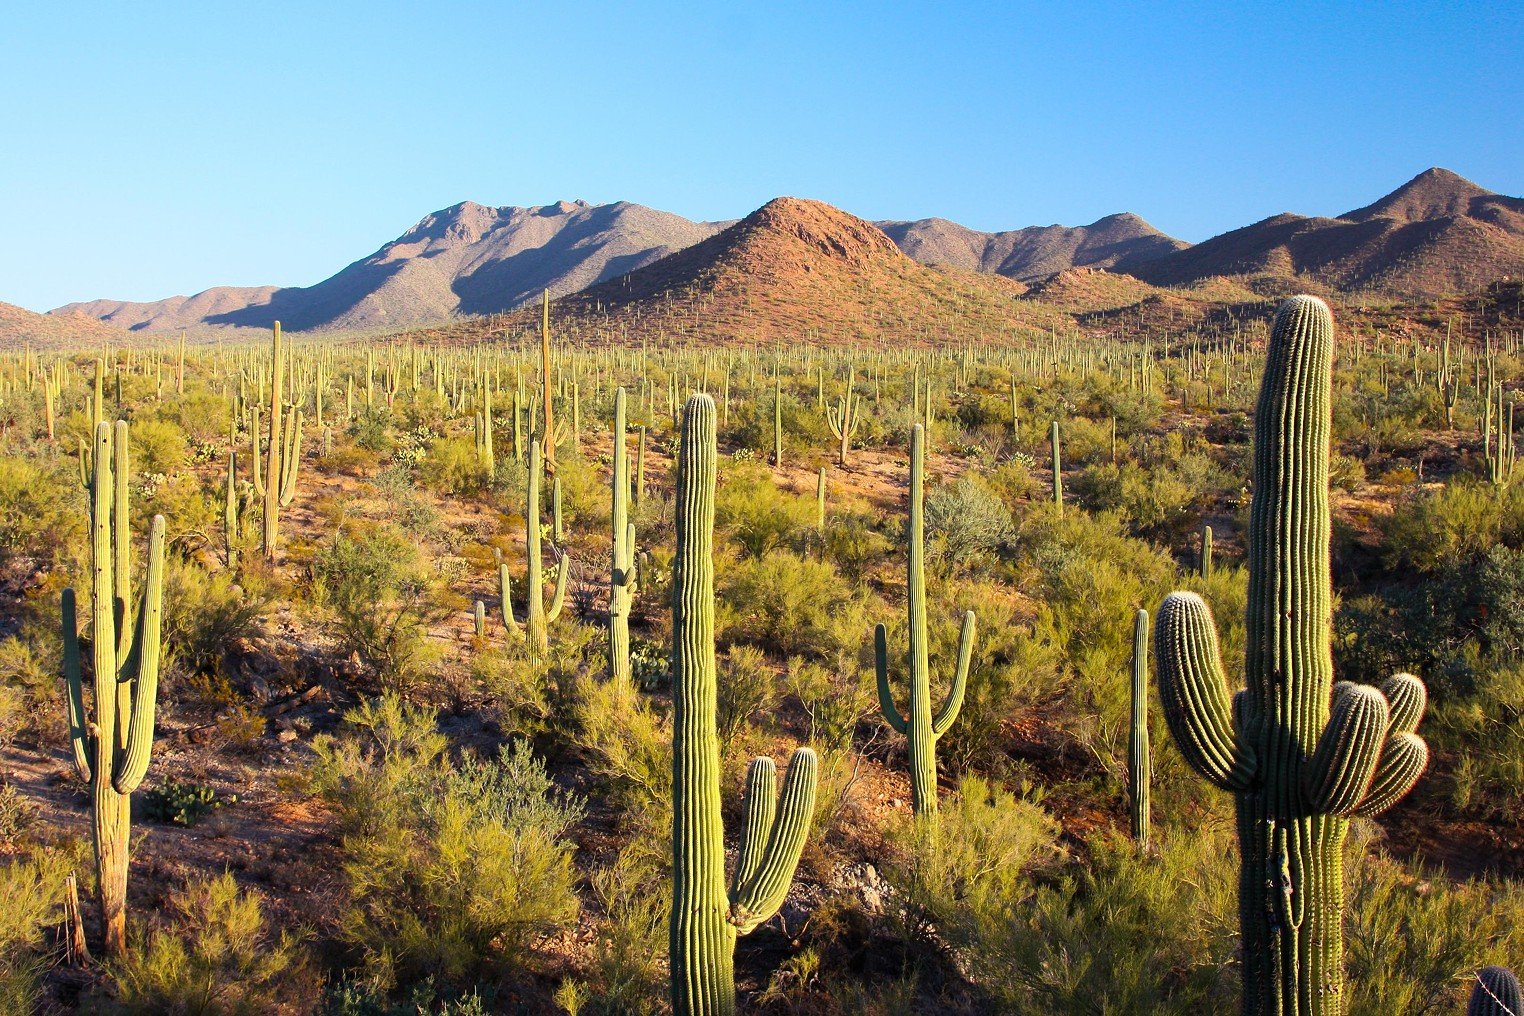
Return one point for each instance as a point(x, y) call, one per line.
point(1300, 754)
point(705, 917)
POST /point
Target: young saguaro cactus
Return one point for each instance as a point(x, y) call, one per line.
point(622, 572)
point(1300, 754)
point(1139, 763)
point(1496, 994)
point(921, 727)
point(706, 919)
point(111, 752)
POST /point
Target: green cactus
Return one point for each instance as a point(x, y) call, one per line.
point(231, 515)
point(479, 617)
point(276, 484)
point(706, 919)
point(777, 421)
point(1496, 994)
point(844, 417)
point(921, 728)
point(1058, 469)
point(537, 616)
point(1206, 552)
point(1300, 753)
point(111, 752)
point(622, 572)
point(485, 454)
point(1139, 765)
point(820, 501)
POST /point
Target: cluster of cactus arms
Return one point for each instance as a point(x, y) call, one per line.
point(1500, 448)
point(111, 752)
point(1058, 468)
point(1496, 994)
point(921, 728)
point(275, 484)
point(845, 416)
point(706, 919)
point(622, 570)
point(1300, 754)
point(537, 617)
point(1139, 763)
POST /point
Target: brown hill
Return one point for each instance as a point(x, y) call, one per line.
point(1035, 252)
point(465, 259)
point(1436, 234)
point(20, 328)
point(798, 270)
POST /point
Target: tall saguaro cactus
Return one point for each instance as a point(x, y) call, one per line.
point(1139, 762)
point(844, 418)
point(111, 752)
point(537, 617)
point(921, 727)
point(277, 484)
point(1300, 754)
point(706, 919)
point(622, 569)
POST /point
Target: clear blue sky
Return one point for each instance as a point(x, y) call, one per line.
point(153, 149)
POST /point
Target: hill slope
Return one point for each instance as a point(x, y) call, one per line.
point(20, 328)
point(465, 259)
point(1436, 234)
point(794, 270)
point(1035, 252)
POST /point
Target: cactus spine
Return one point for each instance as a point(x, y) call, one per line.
point(622, 574)
point(706, 919)
point(1300, 754)
point(111, 752)
point(1496, 994)
point(1139, 765)
point(921, 728)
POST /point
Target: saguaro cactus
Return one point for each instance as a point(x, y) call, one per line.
point(706, 919)
point(921, 728)
point(1300, 753)
point(622, 570)
point(1058, 468)
point(537, 616)
point(276, 485)
point(1139, 764)
point(1496, 994)
point(111, 752)
point(844, 417)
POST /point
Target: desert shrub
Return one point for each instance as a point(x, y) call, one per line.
point(759, 516)
point(853, 544)
point(214, 956)
point(370, 430)
point(792, 605)
point(628, 746)
point(30, 664)
point(205, 614)
point(42, 512)
point(355, 997)
point(746, 687)
point(373, 581)
point(158, 446)
point(835, 700)
point(31, 897)
point(1129, 932)
point(1414, 938)
point(452, 870)
point(452, 466)
point(1153, 501)
point(635, 897)
point(1458, 521)
point(183, 804)
point(966, 521)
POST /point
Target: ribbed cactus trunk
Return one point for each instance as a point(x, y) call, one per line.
point(703, 941)
point(1300, 754)
point(272, 479)
point(1496, 994)
point(1058, 468)
point(1139, 762)
point(920, 727)
point(111, 752)
point(621, 572)
point(534, 579)
point(705, 918)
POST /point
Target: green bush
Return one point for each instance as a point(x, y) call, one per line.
point(373, 580)
point(183, 804)
point(453, 870)
point(966, 521)
point(207, 613)
point(746, 687)
point(757, 515)
point(214, 956)
point(792, 606)
point(31, 898)
point(42, 512)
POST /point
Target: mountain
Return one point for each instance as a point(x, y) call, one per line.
point(793, 270)
point(465, 259)
point(1436, 234)
point(20, 328)
point(1035, 252)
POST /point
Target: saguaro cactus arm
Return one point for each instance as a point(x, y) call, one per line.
point(1339, 773)
point(81, 737)
point(1194, 693)
point(885, 693)
point(142, 668)
point(772, 839)
point(954, 703)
